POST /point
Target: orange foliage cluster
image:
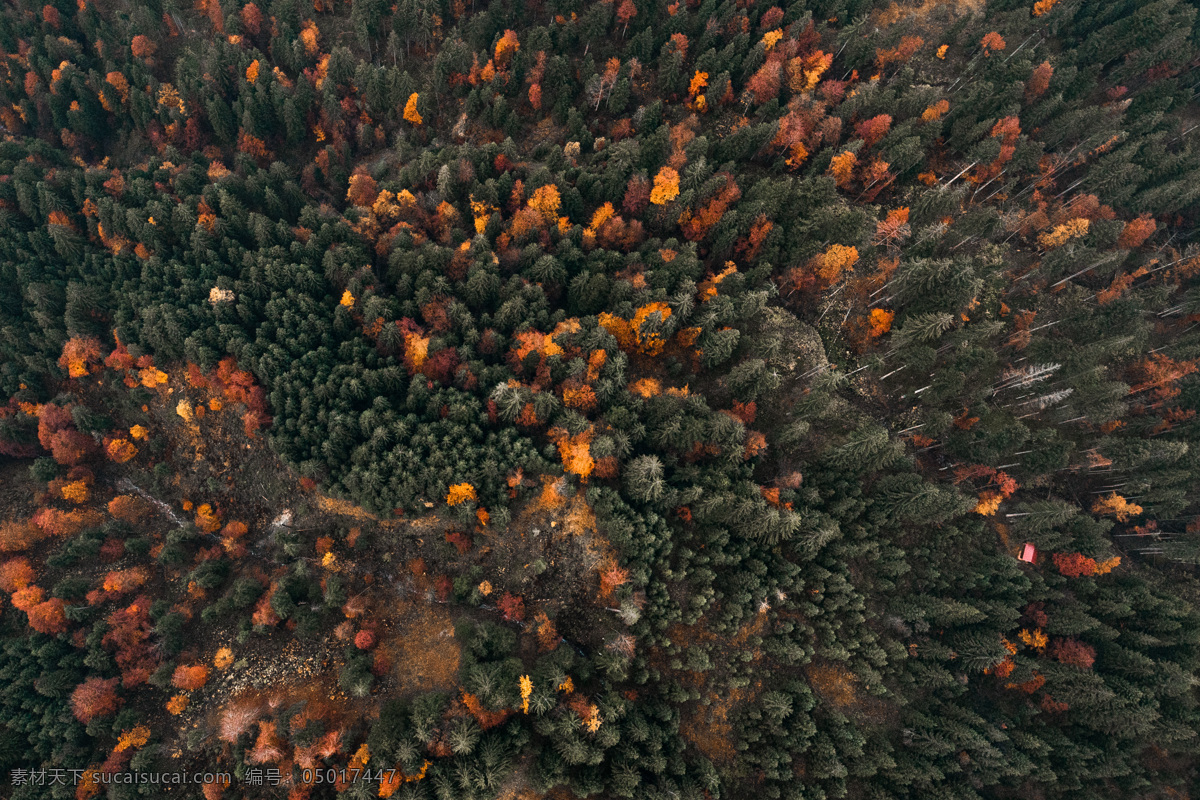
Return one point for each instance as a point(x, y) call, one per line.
point(612, 576)
point(756, 443)
point(206, 519)
point(142, 46)
point(133, 738)
point(992, 41)
point(48, 616)
point(16, 574)
point(233, 385)
point(252, 145)
point(268, 747)
point(902, 52)
point(842, 168)
point(893, 229)
point(27, 597)
point(575, 451)
point(76, 491)
point(263, 614)
point(578, 395)
point(128, 508)
point(363, 190)
point(54, 522)
point(411, 114)
point(16, 536)
point(120, 450)
point(57, 433)
point(833, 262)
point(630, 334)
point(1030, 686)
point(1077, 565)
point(873, 129)
point(1035, 639)
point(80, 355)
point(879, 322)
point(1158, 374)
point(252, 19)
point(1008, 131)
point(1120, 284)
point(309, 37)
point(485, 718)
point(546, 201)
point(646, 387)
point(696, 226)
point(118, 582)
point(935, 111)
point(506, 47)
point(1039, 80)
point(547, 634)
point(1002, 669)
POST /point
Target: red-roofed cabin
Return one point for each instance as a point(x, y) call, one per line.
point(1028, 553)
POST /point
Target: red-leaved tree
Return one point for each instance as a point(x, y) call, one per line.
point(129, 638)
point(95, 697)
point(512, 606)
point(1074, 652)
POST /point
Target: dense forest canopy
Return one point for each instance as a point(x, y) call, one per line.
point(550, 399)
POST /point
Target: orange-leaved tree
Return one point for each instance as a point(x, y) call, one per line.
point(189, 678)
point(80, 356)
point(410, 110)
point(16, 573)
point(506, 48)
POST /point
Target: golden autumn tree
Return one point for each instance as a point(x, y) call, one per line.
point(120, 450)
point(575, 451)
point(309, 36)
point(842, 168)
point(1061, 234)
point(836, 260)
point(1117, 506)
point(666, 187)
point(460, 493)
point(546, 201)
